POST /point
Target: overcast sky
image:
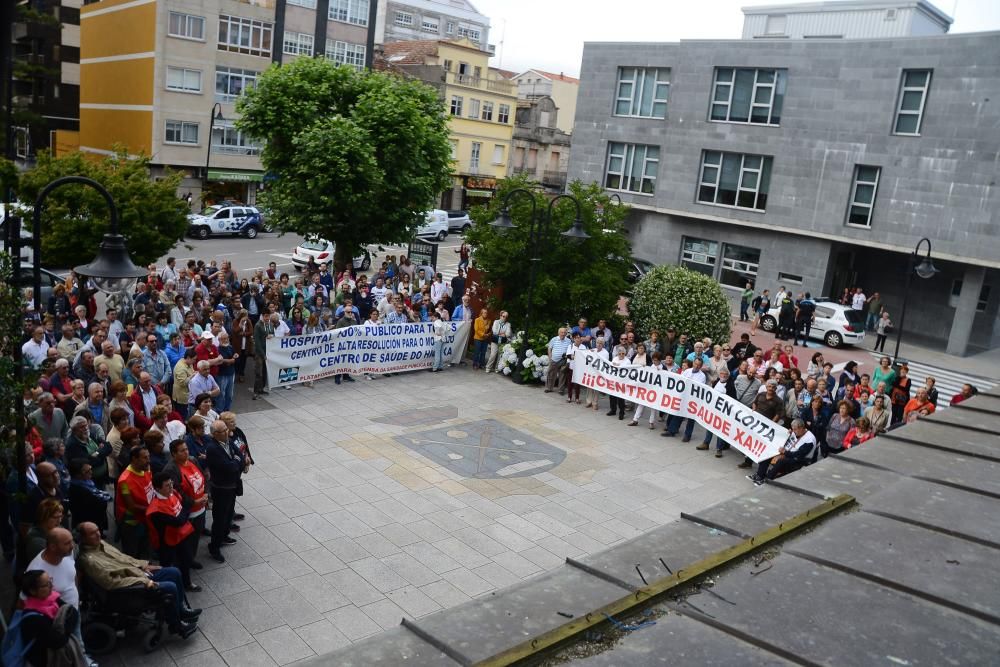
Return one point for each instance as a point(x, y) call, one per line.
point(549, 34)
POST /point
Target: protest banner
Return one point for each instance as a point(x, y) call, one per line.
point(365, 348)
point(745, 430)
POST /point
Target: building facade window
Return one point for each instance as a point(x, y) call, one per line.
point(404, 19)
point(735, 179)
point(354, 12)
point(642, 92)
point(188, 26)
point(230, 82)
point(181, 132)
point(308, 4)
point(474, 155)
point(345, 53)
point(498, 154)
point(447, 65)
point(956, 292)
point(298, 44)
point(700, 255)
point(454, 149)
point(913, 89)
point(430, 25)
point(742, 95)
point(248, 36)
point(473, 108)
point(487, 110)
point(473, 34)
point(863, 191)
point(632, 167)
point(227, 139)
point(739, 265)
point(449, 28)
point(184, 80)
point(503, 114)
point(456, 105)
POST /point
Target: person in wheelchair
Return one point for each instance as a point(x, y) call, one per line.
point(795, 454)
point(111, 570)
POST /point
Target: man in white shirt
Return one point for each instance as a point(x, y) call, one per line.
point(438, 330)
point(577, 346)
point(796, 453)
point(36, 349)
point(439, 289)
point(169, 272)
point(858, 300)
point(501, 336)
point(380, 290)
point(57, 560)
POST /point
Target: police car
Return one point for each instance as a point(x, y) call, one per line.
point(225, 219)
point(834, 324)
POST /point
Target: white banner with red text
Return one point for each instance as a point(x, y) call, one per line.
point(383, 348)
point(745, 430)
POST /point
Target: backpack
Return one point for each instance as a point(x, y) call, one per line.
point(13, 649)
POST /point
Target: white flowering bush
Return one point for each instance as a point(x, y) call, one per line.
point(691, 302)
point(508, 354)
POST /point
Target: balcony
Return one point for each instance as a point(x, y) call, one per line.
point(470, 81)
point(554, 178)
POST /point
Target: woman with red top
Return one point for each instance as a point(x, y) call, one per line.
point(968, 391)
point(861, 432)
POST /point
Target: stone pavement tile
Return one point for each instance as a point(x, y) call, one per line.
point(292, 506)
point(368, 513)
point(547, 523)
point(208, 658)
point(484, 505)
point(268, 487)
point(445, 594)
point(322, 637)
point(346, 549)
point(341, 476)
point(416, 502)
point(222, 629)
point(206, 597)
point(517, 564)
point(262, 541)
point(442, 499)
point(293, 608)
point(320, 503)
point(543, 558)
point(353, 587)
point(473, 517)
point(237, 555)
point(367, 492)
point(523, 527)
point(268, 515)
point(560, 513)
point(583, 542)
point(398, 534)
point(480, 542)
point(497, 575)
point(348, 524)
point(461, 552)
point(317, 527)
point(413, 601)
point(283, 645)
point(225, 581)
point(446, 521)
point(378, 574)
point(253, 612)
point(288, 565)
point(377, 545)
point(507, 537)
point(251, 655)
point(320, 593)
point(293, 537)
point(397, 510)
point(353, 623)
point(431, 557)
point(321, 560)
point(467, 582)
point(385, 613)
point(410, 569)
point(176, 647)
point(427, 530)
point(621, 528)
point(637, 521)
point(560, 547)
point(261, 577)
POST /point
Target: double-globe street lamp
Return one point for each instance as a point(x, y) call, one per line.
point(539, 225)
point(112, 271)
point(216, 116)
point(924, 269)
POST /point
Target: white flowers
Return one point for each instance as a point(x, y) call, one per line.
point(537, 364)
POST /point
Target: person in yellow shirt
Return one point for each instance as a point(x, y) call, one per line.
point(183, 371)
point(481, 337)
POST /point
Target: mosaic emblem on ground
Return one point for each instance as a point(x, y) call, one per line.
point(485, 449)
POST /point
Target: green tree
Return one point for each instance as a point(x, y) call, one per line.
point(358, 156)
point(75, 218)
point(574, 278)
point(688, 301)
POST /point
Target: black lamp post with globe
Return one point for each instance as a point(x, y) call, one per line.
point(924, 269)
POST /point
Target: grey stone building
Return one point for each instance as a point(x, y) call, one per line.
point(814, 164)
point(541, 149)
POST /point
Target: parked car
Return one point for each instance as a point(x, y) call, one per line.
point(225, 219)
point(834, 324)
point(49, 281)
point(435, 225)
point(638, 269)
point(459, 221)
point(323, 251)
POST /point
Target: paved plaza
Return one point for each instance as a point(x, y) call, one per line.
point(402, 496)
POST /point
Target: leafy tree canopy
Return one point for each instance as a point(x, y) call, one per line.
point(574, 278)
point(358, 156)
point(690, 302)
point(75, 217)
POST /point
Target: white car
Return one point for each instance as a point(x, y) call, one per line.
point(435, 225)
point(834, 324)
point(322, 251)
point(225, 219)
point(459, 221)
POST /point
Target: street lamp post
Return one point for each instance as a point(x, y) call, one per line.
point(215, 116)
point(539, 225)
point(925, 269)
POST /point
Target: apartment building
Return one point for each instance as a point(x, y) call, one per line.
point(480, 104)
point(816, 164)
point(845, 19)
point(541, 149)
point(410, 20)
point(561, 88)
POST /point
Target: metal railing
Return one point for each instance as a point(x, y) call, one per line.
point(503, 87)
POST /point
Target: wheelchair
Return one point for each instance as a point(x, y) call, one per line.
point(135, 611)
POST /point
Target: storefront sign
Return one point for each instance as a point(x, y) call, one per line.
point(235, 176)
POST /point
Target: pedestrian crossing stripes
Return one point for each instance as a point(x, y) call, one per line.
point(947, 382)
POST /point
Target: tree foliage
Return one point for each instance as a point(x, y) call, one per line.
point(574, 278)
point(688, 301)
point(75, 217)
point(358, 157)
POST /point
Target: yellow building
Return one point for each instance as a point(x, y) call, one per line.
point(480, 104)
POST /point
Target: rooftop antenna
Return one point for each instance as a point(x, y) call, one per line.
point(503, 34)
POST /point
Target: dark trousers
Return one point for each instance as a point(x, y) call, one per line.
point(880, 342)
point(744, 307)
point(767, 470)
point(617, 405)
point(673, 424)
point(259, 374)
point(168, 579)
point(223, 509)
point(786, 329)
point(479, 353)
point(574, 389)
point(134, 539)
point(802, 328)
point(178, 556)
point(241, 365)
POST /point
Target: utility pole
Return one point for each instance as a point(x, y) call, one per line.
point(370, 42)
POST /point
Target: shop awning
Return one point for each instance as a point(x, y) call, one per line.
point(479, 193)
point(233, 175)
